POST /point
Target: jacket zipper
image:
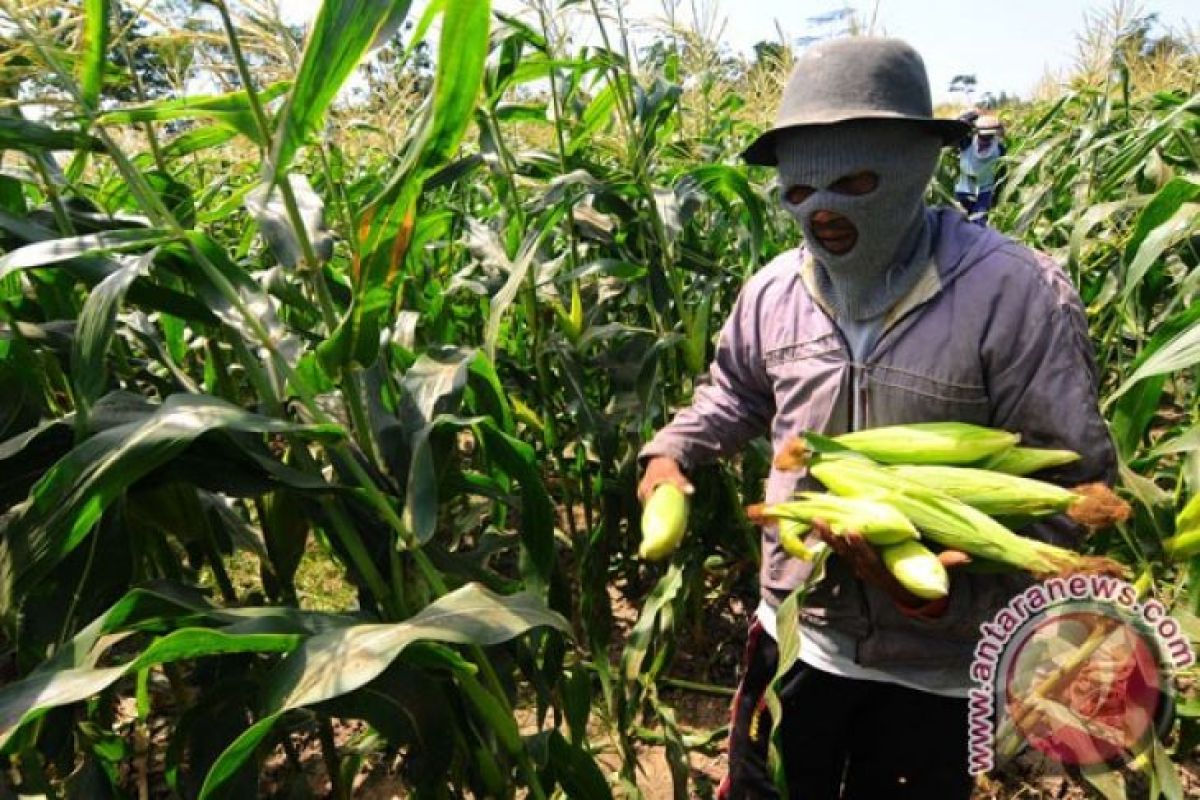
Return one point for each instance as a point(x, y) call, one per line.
point(857, 417)
point(858, 399)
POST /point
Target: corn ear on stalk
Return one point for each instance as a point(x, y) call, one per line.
point(1186, 541)
point(1027, 460)
point(664, 520)
point(917, 569)
point(951, 523)
point(1000, 494)
point(929, 443)
point(879, 523)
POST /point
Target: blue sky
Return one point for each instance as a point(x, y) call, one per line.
point(1008, 44)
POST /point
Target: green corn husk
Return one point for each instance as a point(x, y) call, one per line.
point(1000, 494)
point(664, 521)
point(929, 443)
point(917, 569)
point(792, 533)
point(879, 523)
point(1028, 460)
point(951, 523)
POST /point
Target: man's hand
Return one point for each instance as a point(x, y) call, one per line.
point(662, 469)
point(869, 567)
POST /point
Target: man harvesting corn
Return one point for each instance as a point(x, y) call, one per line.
point(891, 312)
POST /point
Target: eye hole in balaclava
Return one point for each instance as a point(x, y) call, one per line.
point(858, 183)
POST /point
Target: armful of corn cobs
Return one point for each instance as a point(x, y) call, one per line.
point(946, 483)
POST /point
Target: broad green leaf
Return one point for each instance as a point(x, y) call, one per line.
point(386, 226)
point(1180, 225)
point(94, 47)
point(267, 206)
point(41, 254)
point(1187, 441)
point(1132, 413)
point(67, 502)
point(92, 269)
point(94, 331)
point(518, 270)
point(1178, 353)
point(21, 134)
point(462, 51)
point(231, 294)
point(1159, 210)
point(231, 109)
point(338, 662)
point(340, 37)
point(1081, 233)
point(644, 630)
point(198, 139)
point(24, 701)
point(520, 462)
point(599, 114)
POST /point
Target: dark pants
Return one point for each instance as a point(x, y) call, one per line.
point(976, 206)
point(880, 739)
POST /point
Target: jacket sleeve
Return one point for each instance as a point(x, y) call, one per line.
point(1042, 378)
point(733, 405)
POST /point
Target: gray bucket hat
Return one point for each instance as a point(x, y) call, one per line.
point(855, 78)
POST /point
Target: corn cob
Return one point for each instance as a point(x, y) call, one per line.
point(1027, 460)
point(929, 443)
point(917, 569)
point(792, 533)
point(664, 520)
point(878, 523)
point(999, 494)
point(951, 523)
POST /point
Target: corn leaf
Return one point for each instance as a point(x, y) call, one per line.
point(340, 37)
point(94, 47)
point(94, 332)
point(22, 134)
point(27, 700)
point(338, 662)
point(231, 110)
point(67, 502)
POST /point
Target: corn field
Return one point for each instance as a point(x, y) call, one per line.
point(326, 354)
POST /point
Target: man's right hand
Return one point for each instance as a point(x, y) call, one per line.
point(662, 469)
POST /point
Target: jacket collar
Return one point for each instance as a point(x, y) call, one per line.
point(960, 244)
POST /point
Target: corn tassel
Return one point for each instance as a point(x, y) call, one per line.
point(999, 494)
point(917, 569)
point(878, 523)
point(951, 523)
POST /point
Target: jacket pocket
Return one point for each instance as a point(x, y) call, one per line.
point(902, 395)
point(974, 599)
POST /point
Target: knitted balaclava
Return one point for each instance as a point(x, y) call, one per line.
point(890, 220)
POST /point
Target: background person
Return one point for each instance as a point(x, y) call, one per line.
point(979, 164)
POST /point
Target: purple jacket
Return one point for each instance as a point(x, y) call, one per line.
point(993, 334)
